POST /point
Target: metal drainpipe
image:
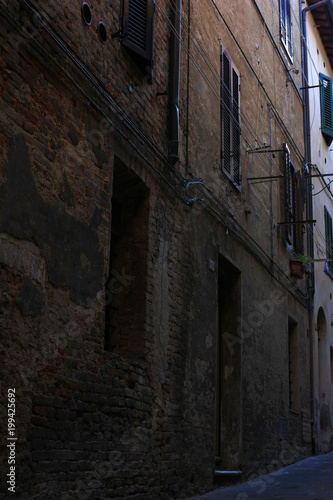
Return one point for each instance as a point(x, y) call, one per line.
point(271, 186)
point(309, 206)
point(174, 83)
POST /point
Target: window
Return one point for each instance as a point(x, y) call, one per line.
point(230, 119)
point(137, 30)
point(329, 242)
point(285, 26)
point(293, 203)
point(294, 390)
point(125, 289)
point(326, 107)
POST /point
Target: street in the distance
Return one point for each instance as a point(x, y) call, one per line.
point(309, 479)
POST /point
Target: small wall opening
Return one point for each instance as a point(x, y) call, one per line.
point(293, 366)
point(101, 30)
point(126, 286)
point(86, 13)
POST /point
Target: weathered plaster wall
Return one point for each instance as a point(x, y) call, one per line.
point(323, 159)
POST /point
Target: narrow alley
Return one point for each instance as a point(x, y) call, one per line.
point(309, 479)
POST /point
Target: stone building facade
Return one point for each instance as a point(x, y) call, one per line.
point(151, 177)
point(319, 21)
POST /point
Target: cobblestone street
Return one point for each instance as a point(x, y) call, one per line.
point(310, 479)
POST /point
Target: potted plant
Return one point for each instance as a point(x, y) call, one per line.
point(298, 263)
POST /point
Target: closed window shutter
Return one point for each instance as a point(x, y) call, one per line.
point(137, 27)
point(288, 193)
point(329, 240)
point(286, 26)
point(235, 128)
point(230, 119)
point(288, 29)
point(283, 31)
point(226, 147)
point(298, 228)
point(326, 106)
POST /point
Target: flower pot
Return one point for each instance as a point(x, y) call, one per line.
point(296, 268)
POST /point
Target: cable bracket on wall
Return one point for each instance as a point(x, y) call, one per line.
point(310, 87)
point(278, 224)
point(259, 180)
point(256, 151)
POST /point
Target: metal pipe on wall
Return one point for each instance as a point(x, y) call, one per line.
point(174, 82)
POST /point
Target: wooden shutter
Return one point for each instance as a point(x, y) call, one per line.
point(329, 239)
point(235, 128)
point(326, 106)
point(286, 26)
point(226, 105)
point(137, 27)
point(230, 119)
point(283, 31)
point(288, 199)
point(298, 212)
point(288, 29)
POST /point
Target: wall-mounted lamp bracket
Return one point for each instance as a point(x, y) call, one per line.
point(118, 34)
point(278, 224)
point(256, 151)
point(258, 180)
point(310, 87)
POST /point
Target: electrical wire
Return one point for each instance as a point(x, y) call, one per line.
point(287, 286)
point(276, 114)
point(308, 51)
point(112, 123)
point(102, 90)
point(217, 93)
point(252, 131)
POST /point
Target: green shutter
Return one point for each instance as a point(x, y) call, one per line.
point(326, 107)
point(329, 240)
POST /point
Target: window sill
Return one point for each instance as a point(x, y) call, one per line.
point(286, 51)
point(236, 186)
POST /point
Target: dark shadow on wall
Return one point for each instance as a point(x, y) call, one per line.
point(70, 246)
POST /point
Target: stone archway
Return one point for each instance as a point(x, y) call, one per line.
point(323, 374)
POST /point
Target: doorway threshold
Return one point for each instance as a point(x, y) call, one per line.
point(227, 477)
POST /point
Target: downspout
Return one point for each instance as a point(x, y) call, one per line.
point(309, 206)
point(188, 86)
point(174, 82)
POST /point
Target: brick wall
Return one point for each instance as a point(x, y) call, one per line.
point(82, 133)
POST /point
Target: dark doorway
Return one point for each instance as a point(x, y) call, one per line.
point(228, 380)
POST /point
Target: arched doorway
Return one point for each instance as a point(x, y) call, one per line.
point(324, 377)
